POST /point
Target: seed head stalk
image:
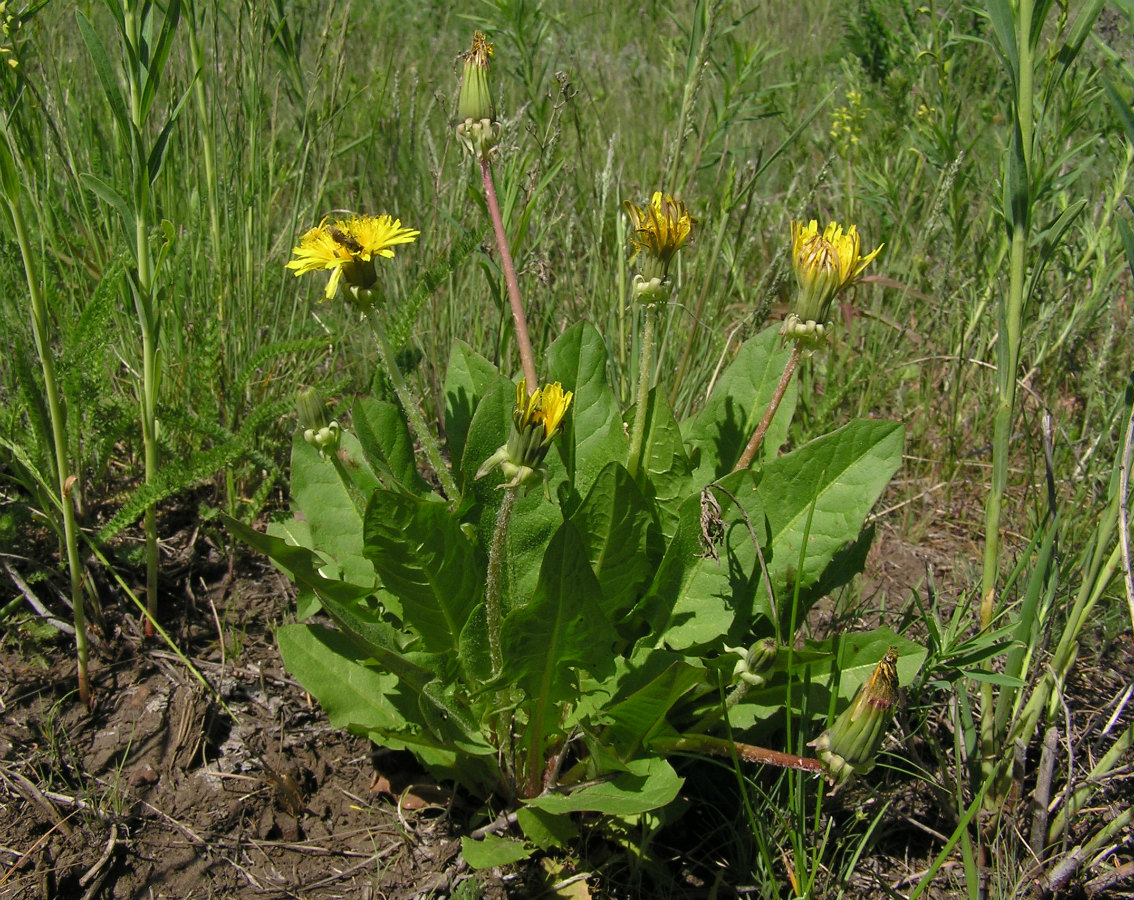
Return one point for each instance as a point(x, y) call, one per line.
point(519, 320)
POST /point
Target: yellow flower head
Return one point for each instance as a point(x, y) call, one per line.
point(537, 419)
point(348, 247)
point(660, 230)
point(824, 264)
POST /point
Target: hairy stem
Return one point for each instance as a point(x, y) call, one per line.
point(638, 430)
point(492, 585)
point(411, 407)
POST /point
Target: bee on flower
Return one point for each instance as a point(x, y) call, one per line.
point(347, 249)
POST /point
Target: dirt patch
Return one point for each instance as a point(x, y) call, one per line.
point(169, 790)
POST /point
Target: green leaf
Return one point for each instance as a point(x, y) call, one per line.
point(387, 445)
point(330, 668)
point(593, 435)
point(1004, 25)
point(9, 179)
point(647, 784)
point(634, 721)
point(331, 508)
point(106, 193)
point(492, 851)
point(105, 71)
point(467, 379)
point(664, 473)
point(619, 537)
point(156, 64)
point(841, 475)
point(425, 560)
point(695, 599)
point(562, 629)
point(545, 829)
point(717, 435)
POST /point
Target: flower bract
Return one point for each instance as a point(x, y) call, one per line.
point(347, 249)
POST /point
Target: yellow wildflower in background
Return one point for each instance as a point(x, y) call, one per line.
point(347, 249)
point(537, 419)
point(825, 264)
point(660, 230)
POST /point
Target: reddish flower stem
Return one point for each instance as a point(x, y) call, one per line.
point(758, 435)
point(523, 341)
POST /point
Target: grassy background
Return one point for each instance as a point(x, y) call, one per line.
point(875, 112)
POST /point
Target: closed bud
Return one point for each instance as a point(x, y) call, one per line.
point(849, 746)
point(477, 127)
point(318, 431)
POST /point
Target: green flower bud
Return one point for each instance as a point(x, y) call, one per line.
point(849, 746)
point(477, 127)
point(320, 433)
point(754, 661)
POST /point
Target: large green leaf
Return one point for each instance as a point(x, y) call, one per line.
point(467, 379)
point(424, 559)
point(697, 600)
point(717, 435)
point(646, 784)
point(562, 629)
point(492, 851)
point(368, 700)
point(334, 509)
point(619, 537)
point(593, 434)
point(386, 441)
point(825, 490)
point(664, 472)
point(642, 715)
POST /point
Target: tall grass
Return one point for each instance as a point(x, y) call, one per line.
point(986, 340)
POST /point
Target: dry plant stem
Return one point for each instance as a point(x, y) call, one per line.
point(411, 407)
point(57, 413)
point(523, 341)
point(496, 554)
point(749, 453)
point(638, 431)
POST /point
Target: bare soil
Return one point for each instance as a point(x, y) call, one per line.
point(166, 789)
